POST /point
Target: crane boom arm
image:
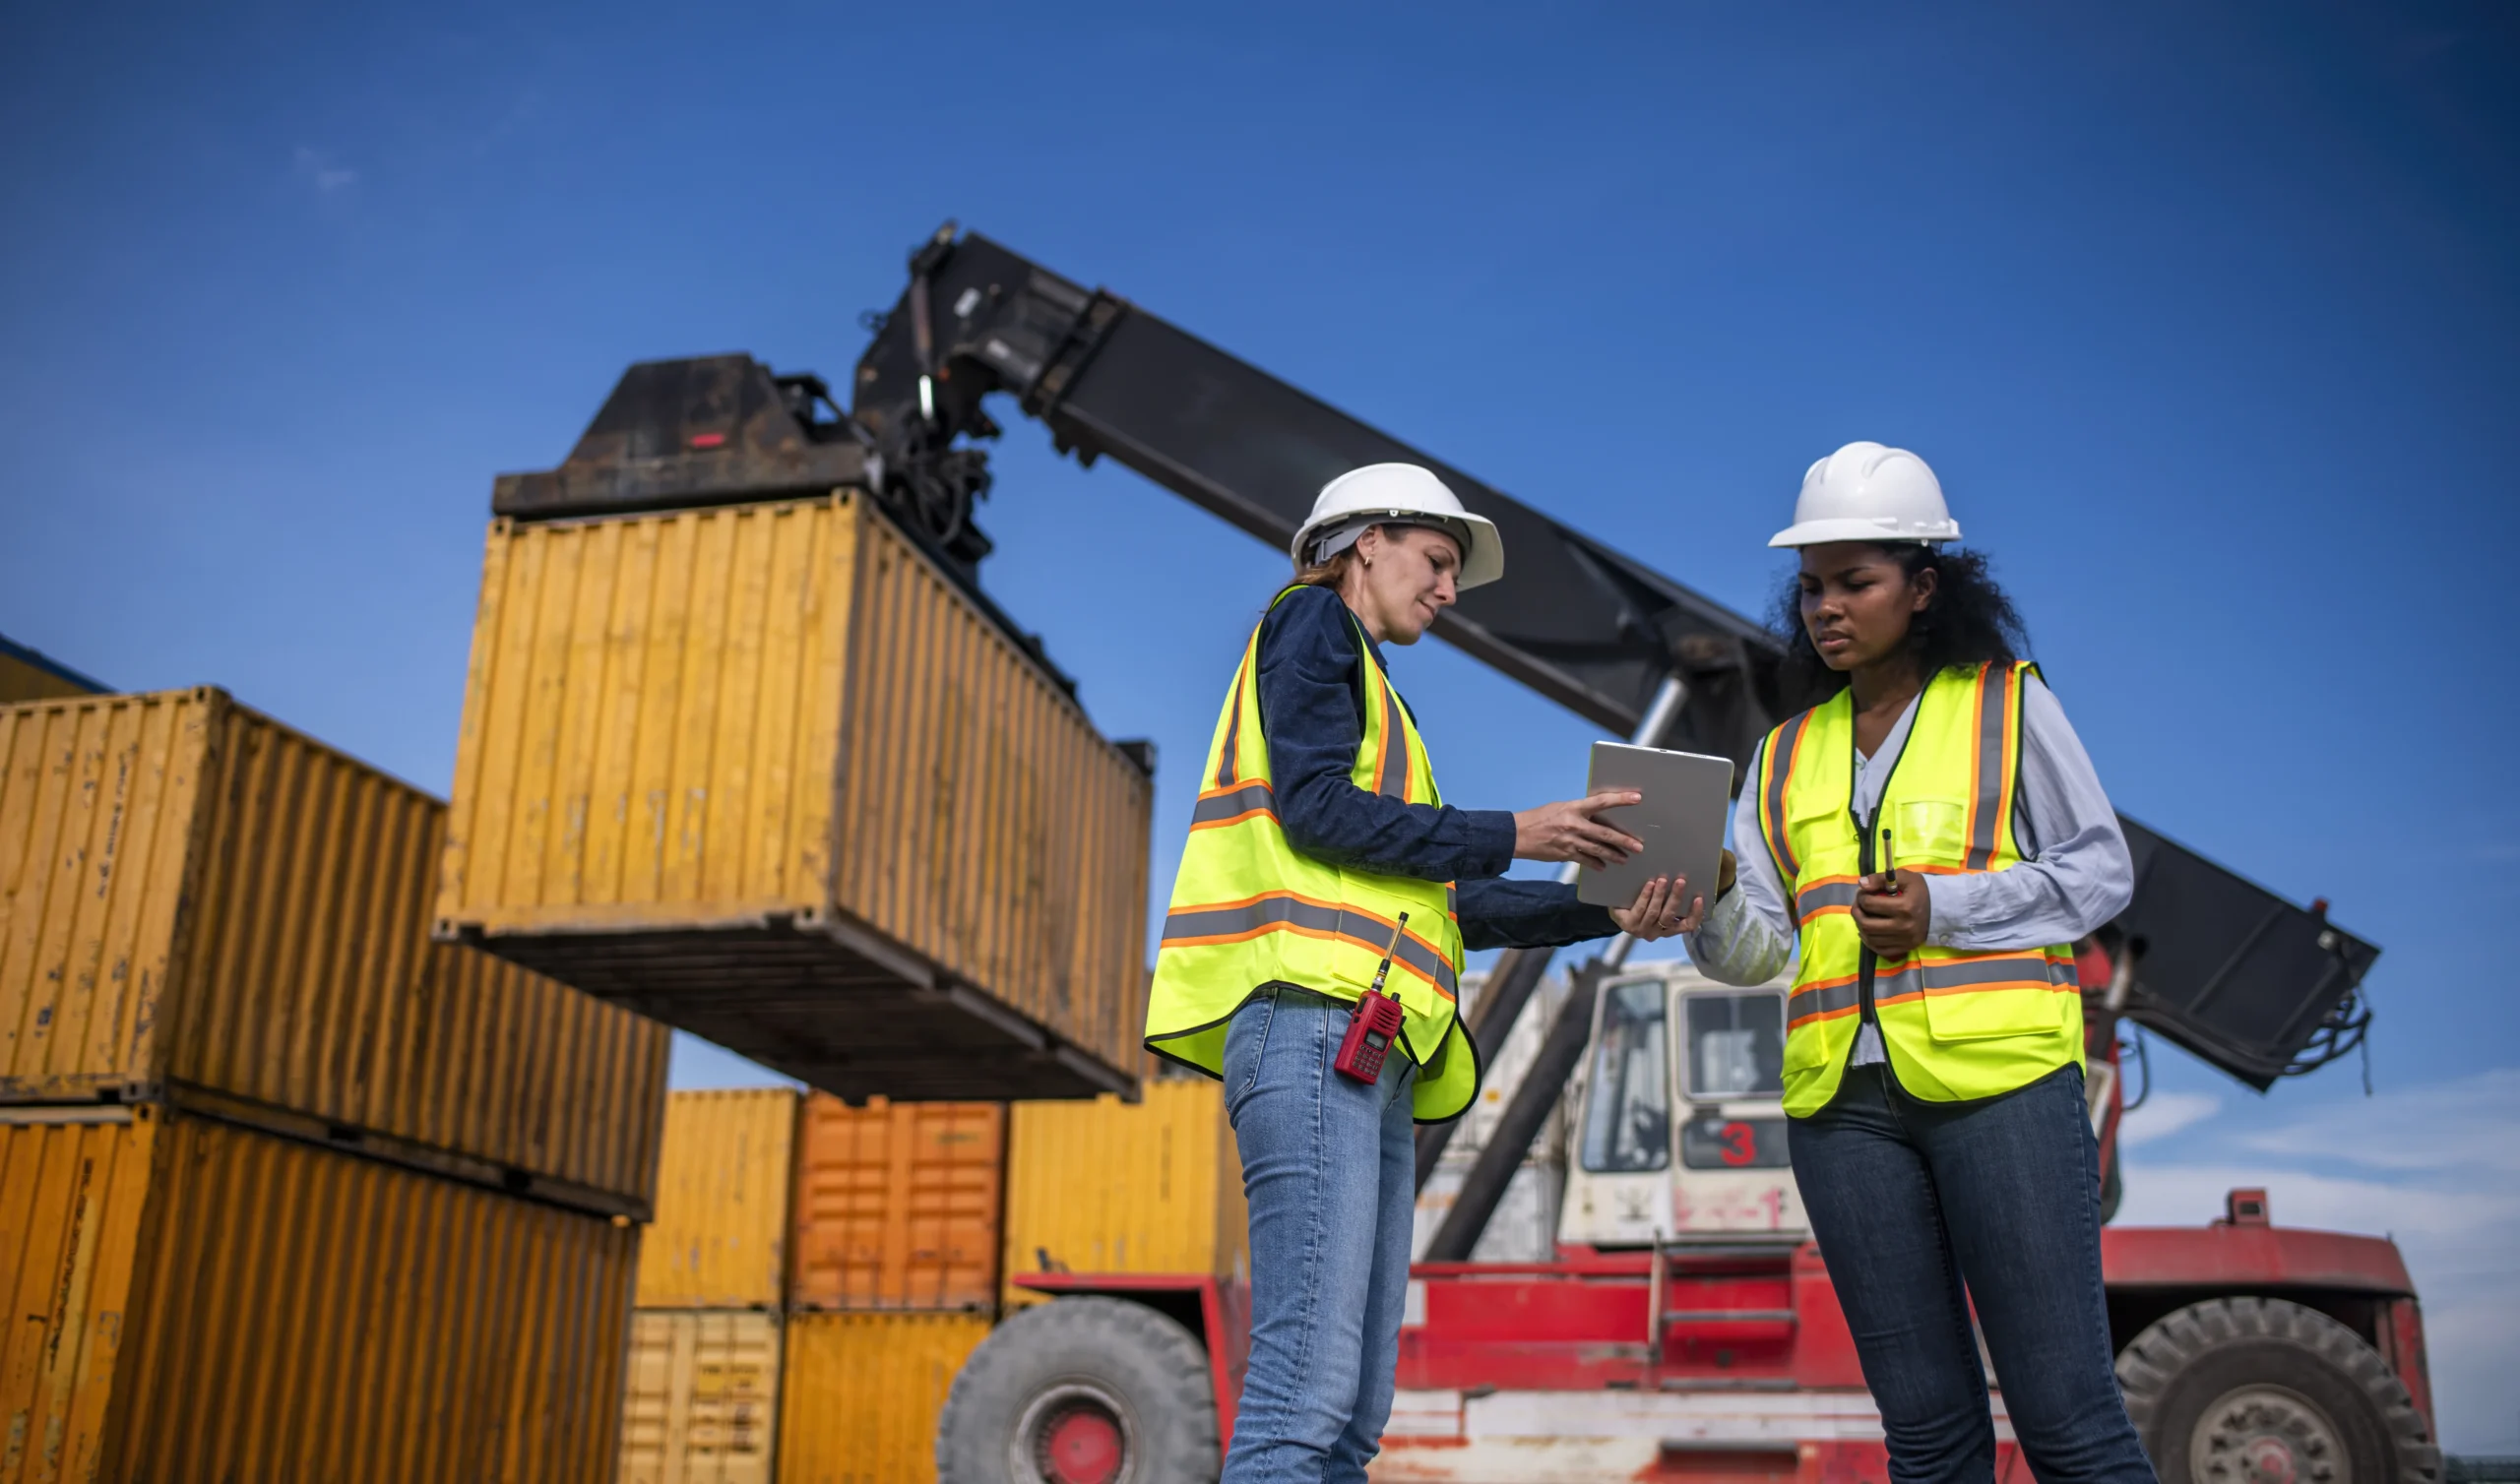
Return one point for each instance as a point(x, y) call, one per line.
point(1573, 619)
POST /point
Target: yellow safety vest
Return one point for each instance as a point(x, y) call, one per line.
point(1249, 909)
point(1956, 1025)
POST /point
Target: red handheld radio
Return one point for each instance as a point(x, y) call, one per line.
point(1374, 1022)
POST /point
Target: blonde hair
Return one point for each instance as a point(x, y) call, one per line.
point(1332, 574)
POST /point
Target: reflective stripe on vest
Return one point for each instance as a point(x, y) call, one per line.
point(1250, 909)
point(1956, 1025)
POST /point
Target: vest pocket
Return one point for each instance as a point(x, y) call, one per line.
point(1988, 1013)
point(1931, 830)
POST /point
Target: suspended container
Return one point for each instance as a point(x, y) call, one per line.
point(768, 773)
point(195, 1300)
point(199, 902)
point(701, 1406)
point(898, 1206)
point(862, 1393)
point(719, 1239)
point(1153, 1187)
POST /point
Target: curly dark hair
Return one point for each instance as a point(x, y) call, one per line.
point(1969, 621)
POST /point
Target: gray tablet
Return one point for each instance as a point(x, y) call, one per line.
point(1681, 821)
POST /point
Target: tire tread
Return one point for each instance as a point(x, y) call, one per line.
point(2153, 1359)
point(999, 1369)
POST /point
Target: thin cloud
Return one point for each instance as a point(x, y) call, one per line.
point(2166, 1113)
point(2470, 1123)
point(319, 168)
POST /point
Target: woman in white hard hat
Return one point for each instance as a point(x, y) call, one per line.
point(1934, 841)
point(1323, 866)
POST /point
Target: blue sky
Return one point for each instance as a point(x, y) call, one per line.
point(2204, 316)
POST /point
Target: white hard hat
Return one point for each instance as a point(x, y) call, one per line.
point(1866, 492)
point(1397, 494)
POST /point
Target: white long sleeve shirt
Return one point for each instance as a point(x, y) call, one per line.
point(2074, 875)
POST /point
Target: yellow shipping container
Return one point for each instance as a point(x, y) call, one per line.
point(720, 1240)
point(26, 675)
point(193, 1300)
point(897, 1205)
point(194, 897)
point(1114, 1187)
point(768, 772)
point(702, 1401)
point(862, 1393)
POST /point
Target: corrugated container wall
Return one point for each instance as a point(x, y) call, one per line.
point(766, 772)
point(195, 895)
point(200, 1301)
point(863, 1395)
point(897, 1206)
point(720, 1240)
point(1113, 1187)
point(702, 1401)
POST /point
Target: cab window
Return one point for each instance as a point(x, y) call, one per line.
point(1627, 1111)
point(1737, 1045)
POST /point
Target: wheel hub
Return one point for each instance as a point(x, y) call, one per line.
point(2266, 1435)
point(1075, 1433)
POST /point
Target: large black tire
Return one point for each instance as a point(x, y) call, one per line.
point(2249, 1390)
point(1081, 1391)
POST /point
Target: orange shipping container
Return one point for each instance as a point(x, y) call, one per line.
point(1113, 1187)
point(768, 772)
point(720, 1240)
point(862, 1393)
point(897, 1206)
point(193, 896)
point(198, 1301)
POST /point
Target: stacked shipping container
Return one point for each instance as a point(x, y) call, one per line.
point(285, 1190)
point(896, 1206)
point(814, 1277)
point(1111, 1187)
point(702, 1406)
point(26, 675)
point(862, 1300)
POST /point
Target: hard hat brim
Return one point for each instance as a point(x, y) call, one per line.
point(1485, 561)
point(1856, 529)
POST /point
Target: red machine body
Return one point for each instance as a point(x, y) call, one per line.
point(1732, 1364)
point(1726, 1367)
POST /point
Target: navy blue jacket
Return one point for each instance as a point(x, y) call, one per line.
point(1312, 711)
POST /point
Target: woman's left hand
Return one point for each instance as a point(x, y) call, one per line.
point(1656, 911)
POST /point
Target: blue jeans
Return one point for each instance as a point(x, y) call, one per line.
point(1921, 1208)
point(1330, 1165)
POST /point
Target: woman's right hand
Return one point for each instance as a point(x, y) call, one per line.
point(1570, 832)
